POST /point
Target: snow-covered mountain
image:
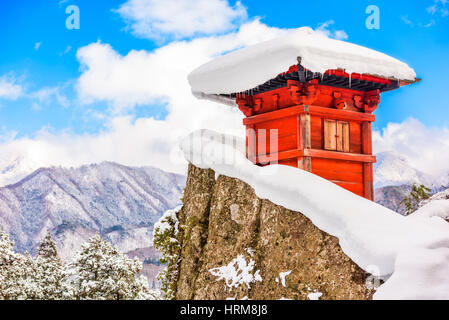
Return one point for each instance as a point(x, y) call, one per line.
point(392, 196)
point(14, 167)
point(122, 203)
point(393, 169)
point(394, 176)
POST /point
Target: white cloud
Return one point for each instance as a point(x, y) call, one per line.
point(325, 29)
point(407, 21)
point(137, 80)
point(431, 23)
point(439, 7)
point(155, 19)
point(426, 149)
point(142, 77)
point(66, 50)
point(37, 45)
point(47, 94)
point(9, 88)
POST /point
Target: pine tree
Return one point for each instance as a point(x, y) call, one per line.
point(17, 273)
point(418, 194)
point(7, 257)
point(27, 286)
point(165, 240)
point(101, 272)
point(50, 273)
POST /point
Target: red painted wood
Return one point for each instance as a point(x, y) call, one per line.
point(313, 110)
point(337, 155)
point(298, 111)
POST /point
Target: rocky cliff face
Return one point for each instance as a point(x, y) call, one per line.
point(236, 245)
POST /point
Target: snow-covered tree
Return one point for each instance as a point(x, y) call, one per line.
point(418, 194)
point(27, 286)
point(101, 272)
point(7, 257)
point(17, 273)
point(50, 272)
point(165, 240)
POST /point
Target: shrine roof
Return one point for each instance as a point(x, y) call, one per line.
point(251, 67)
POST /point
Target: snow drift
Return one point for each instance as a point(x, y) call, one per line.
point(249, 67)
point(413, 252)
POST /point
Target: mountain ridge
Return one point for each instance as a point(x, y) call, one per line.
point(86, 199)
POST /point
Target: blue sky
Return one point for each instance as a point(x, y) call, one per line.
point(39, 56)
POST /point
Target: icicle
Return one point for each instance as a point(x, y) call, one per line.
point(350, 80)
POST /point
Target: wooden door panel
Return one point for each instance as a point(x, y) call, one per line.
point(330, 131)
point(342, 139)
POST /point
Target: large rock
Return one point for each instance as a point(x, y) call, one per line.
point(223, 219)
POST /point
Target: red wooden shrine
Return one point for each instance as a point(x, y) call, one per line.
point(323, 123)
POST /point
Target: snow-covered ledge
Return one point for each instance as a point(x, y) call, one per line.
point(412, 253)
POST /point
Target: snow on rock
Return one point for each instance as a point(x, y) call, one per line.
point(282, 276)
point(237, 272)
point(249, 67)
point(314, 295)
point(370, 234)
point(434, 208)
point(420, 273)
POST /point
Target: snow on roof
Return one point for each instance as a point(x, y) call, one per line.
point(249, 67)
point(413, 251)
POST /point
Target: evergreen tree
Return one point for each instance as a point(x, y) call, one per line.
point(27, 286)
point(418, 194)
point(101, 272)
point(7, 257)
point(165, 240)
point(50, 273)
point(17, 273)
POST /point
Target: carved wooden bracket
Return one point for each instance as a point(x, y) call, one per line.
point(339, 102)
point(257, 104)
point(305, 93)
point(276, 101)
point(295, 88)
point(245, 105)
point(372, 100)
point(369, 102)
point(358, 101)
